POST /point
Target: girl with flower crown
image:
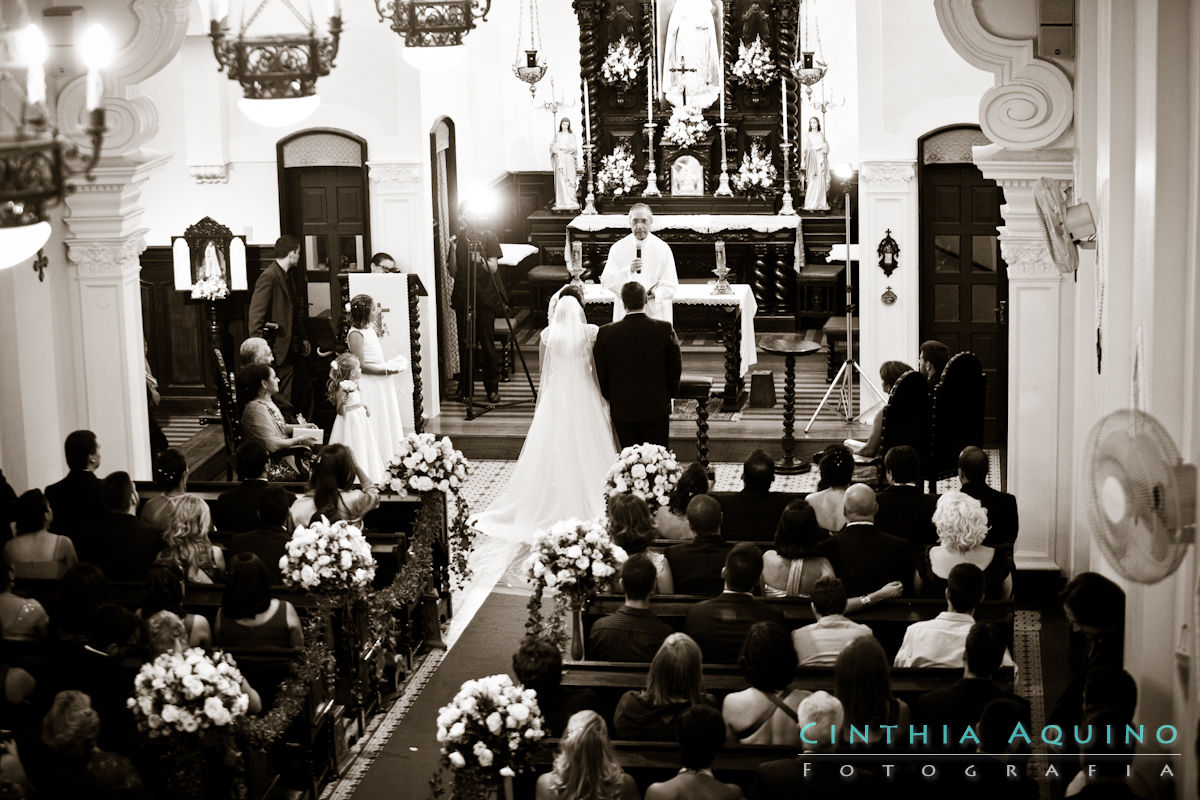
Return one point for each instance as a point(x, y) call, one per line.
point(353, 424)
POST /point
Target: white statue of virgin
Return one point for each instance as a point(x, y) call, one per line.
point(692, 44)
point(563, 154)
point(815, 162)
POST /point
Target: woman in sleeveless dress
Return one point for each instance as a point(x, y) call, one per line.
point(792, 568)
point(35, 552)
point(570, 445)
point(766, 712)
point(379, 387)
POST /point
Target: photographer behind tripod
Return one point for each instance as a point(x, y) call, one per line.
point(481, 249)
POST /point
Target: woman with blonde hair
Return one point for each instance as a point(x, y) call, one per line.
point(188, 543)
point(962, 525)
point(586, 767)
point(674, 684)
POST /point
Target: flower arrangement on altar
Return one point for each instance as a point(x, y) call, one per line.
point(754, 67)
point(576, 558)
point(650, 471)
point(423, 464)
point(328, 557)
point(487, 733)
point(756, 176)
point(210, 287)
point(686, 127)
point(622, 65)
point(187, 693)
point(616, 174)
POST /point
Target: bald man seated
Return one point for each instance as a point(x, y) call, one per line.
point(863, 557)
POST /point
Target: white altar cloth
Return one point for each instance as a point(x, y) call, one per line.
point(697, 294)
point(709, 224)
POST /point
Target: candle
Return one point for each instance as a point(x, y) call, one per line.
point(783, 93)
point(649, 90)
point(97, 50)
point(35, 56)
point(335, 8)
point(722, 79)
point(587, 115)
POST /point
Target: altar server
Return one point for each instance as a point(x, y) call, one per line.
point(643, 257)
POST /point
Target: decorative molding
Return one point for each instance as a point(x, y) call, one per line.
point(954, 146)
point(394, 176)
point(1032, 103)
point(209, 173)
point(114, 258)
point(162, 25)
point(886, 176)
point(1028, 259)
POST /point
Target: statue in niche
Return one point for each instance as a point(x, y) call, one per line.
point(564, 151)
point(815, 163)
point(755, 25)
point(692, 63)
point(687, 177)
point(620, 23)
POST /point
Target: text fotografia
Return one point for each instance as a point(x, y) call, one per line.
point(1051, 735)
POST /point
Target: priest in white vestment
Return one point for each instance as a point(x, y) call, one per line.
point(643, 257)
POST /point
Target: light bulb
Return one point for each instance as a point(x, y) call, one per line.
point(435, 59)
point(34, 50)
point(281, 112)
point(22, 243)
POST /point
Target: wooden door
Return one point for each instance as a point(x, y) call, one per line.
point(964, 285)
point(326, 209)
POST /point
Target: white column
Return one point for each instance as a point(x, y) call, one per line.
point(398, 210)
point(887, 199)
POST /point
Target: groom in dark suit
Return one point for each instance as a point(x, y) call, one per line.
point(638, 365)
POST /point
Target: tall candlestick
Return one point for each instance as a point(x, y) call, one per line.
point(783, 93)
point(587, 114)
point(649, 90)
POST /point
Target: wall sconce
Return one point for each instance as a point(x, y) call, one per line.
point(889, 253)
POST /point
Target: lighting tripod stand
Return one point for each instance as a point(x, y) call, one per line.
point(843, 382)
point(476, 259)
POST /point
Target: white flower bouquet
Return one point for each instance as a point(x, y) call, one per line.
point(754, 66)
point(328, 557)
point(487, 732)
point(188, 692)
point(686, 127)
point(650, 471)
point(210, 288)
point(756, 175)
point(616, 174)
point(424, 463)
point(576, 557)
point(622, 65)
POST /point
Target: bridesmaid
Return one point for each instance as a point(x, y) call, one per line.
point(379, 387)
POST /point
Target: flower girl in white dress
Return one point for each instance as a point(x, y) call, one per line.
point(353, 424)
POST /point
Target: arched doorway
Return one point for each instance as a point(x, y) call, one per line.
point(964, 282)
point(444, 169)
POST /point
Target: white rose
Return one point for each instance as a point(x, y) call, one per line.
point(551, 579)
point(458, 730)
point(468, 704)
point(442, 735)
point(637, 471)
point(456, 760)
point(189, 723)
point(519, 711)
point(507, 772)
point(495, 723)
point(216, 711)
point(483, 754)
point(170, 713)
point(574, 551)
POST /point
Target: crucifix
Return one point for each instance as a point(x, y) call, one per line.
point(683, 69)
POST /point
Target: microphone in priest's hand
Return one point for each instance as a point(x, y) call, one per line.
point(637, 263)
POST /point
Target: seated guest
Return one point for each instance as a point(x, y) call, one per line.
point(187, 541)
point(961, 526)
point(255, 350)
point(696, 565)
point(164, 592)
point(671, 520)
point(701, 737)
point(263, 422)
point(837, 471)
point(819, 718)
point(719, 625)
point(36, 552)
point(237, 509)
point(766, 712)
point(752, 513)
point(889, 373)
point(904, 509)
point(630, 526)
point(674, 684)
point(863, 682)
point(793, 567)
point(586, 765)
point(863, 556)
point(1001, 507)
point(1095, 610)
point(118, 542)
point(932, 360)
point(22, 619)
point(961, 705)
point(249, 616)
point(165, 634)
point(537, 665)
point(633, 632)
point(818, 644)
point(331, 493)
point(75, 500)
point(170, 478)
point(1002, 758)
point(942, 641)
point(269, 542)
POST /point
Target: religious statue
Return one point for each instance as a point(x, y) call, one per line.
point(815, 162)
point(687, 177)
point(692, 61)
point(563, 153)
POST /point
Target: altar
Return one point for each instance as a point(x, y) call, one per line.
point(733, 314)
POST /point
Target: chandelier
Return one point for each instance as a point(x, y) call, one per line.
point(809, 65)
point(433, 30)
point(278, 72)
point(529, 67)
point(36, 160)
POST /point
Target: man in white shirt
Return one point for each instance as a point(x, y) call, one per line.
point(642, 257)
point(942, 641)
point(819, 644)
